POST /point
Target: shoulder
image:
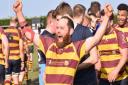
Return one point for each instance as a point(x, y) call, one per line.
point(1, 29)
point(83, 28)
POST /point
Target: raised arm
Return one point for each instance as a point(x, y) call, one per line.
point(92, 41)
point(26, 29)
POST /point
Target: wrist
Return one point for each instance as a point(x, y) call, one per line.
point(117, 70)
point(19, 12)
point(106, 16)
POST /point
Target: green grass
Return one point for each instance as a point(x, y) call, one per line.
point(33, 74)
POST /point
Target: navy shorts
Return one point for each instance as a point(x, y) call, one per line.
point(14, 66)
point(106, 82)
point(2, 73)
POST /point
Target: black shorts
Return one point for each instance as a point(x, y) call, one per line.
point(106, 82)
point(14, 66)
point(2, 73)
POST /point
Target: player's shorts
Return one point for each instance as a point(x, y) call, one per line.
point(2, 73)
point(14, 67)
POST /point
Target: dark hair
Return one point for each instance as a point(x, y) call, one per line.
point(70, 22)
point(64, 8)
point(122, 7)
point(103, 13)
point(97, 3)
point(51, 13)
point(78, 10)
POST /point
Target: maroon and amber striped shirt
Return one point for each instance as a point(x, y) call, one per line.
point(61, 64)
point(110, 54)
point(13, 35)
point(125, 31)
point(1, 53)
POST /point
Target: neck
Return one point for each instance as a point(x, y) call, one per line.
point(110, 31)
point(77, 20)
point(12, 25)
point(125, 25)
point(48, 28)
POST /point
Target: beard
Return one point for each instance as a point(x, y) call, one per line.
point(66, 41)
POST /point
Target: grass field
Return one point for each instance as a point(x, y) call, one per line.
point(33, 75)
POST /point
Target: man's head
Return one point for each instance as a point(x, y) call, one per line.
point(13, 22)
point(122, 14)
point(64, 30)
point(63, 9)
point(79, 12)
point(95, 8)
point(51, 21)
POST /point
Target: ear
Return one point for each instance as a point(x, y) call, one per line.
point(71, 31)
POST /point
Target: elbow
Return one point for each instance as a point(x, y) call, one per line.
point(94, 61)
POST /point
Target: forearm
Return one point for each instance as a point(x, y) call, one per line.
point(84, 65)
point(21, 49)
point(21, 18)
point(87, 63)
point(121, 63)
point(5, 48)
point(91, 60)
point(123, 60)
point(93, 41)
point(6, 52)
point(22, 56)
point(100, 32)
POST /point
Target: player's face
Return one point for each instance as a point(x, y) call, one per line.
point(122, 17)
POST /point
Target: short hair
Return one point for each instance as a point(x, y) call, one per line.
point(70, 22)
point(51, 13)
point(123, 7)
point(78, 10)
point(14, 19)
point(103, 13)
point(64, 8)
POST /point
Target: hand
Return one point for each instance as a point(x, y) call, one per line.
point(17, 7)
point(113, 75)
point(108, 10)
point(6, 65)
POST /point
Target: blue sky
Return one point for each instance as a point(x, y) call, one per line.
point(34, 8)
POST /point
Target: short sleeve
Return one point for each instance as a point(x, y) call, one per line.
point(122, 39)
point(41, 44)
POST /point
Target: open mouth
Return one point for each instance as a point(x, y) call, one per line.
point(59, 36)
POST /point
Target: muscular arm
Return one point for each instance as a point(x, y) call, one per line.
point(91, 60)
point(21, 49)
point(123, 59)
point(27, 31)
point(92, 41)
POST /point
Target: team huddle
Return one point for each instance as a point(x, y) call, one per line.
point(76, 48)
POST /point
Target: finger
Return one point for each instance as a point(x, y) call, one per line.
point(16, 4)
point(109, 8)
point(19, 0)
point(109, 78)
